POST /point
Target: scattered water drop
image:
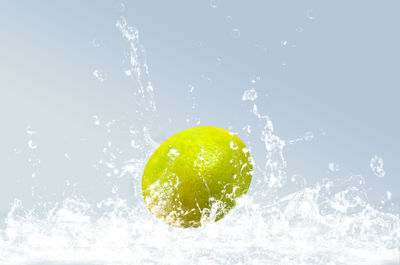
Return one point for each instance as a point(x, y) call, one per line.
point(284, 42)
point(207, 78)
point(99, 75)
point(121, 7)
point(30, 131)
point(308, 136)
point(254, 79)
point(96, 43)
point(191, 89)
point(250, 94)
point(322, 132)
point(114, 189)
point(311, 14)
point(32, 145)
point(16, 151)
point(96, 120)
point(214, 3)
point(235, 33)
point(299, 29)
point(376, 165)
point(228, 19)
point(128, 72)
point(333, 167)
point(247, 128)
point(199, 44)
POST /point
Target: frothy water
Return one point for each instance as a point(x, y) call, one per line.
point(280, 221)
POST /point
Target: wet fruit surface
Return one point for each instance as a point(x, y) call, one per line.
point(195, 176)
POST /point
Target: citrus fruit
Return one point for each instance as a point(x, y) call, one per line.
point(195, 176)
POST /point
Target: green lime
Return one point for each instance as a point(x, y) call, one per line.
point(195, 176)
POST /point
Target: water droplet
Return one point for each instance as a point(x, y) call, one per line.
point(250, 94)
point(308, 136)
point(219, 61)
point(299, 29)
point(114, 189)
point(99, 75)
point(128, 72)
point(199, 44)
point(235, 33)
point(247, 128)
point(214, 3)
point(376, 165)
point(207, 78)
point(333, 167)
point(96, 120)
point(121, 23)
point(121, 7)
point(95, 43)
point(32, 145)
point(191, 89)
point(16, 151)
point(389, 195)
point(254, 79)
point(228, 19)
point(30, 131)
point(284, 42)
point(311, 14)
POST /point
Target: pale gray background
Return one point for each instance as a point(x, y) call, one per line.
point(338, 72)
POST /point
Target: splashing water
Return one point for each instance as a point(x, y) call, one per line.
point(376, 165)
point(280, 221)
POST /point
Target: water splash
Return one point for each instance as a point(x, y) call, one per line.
point(282, 220)
point(137, 66)
point(321, 224)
